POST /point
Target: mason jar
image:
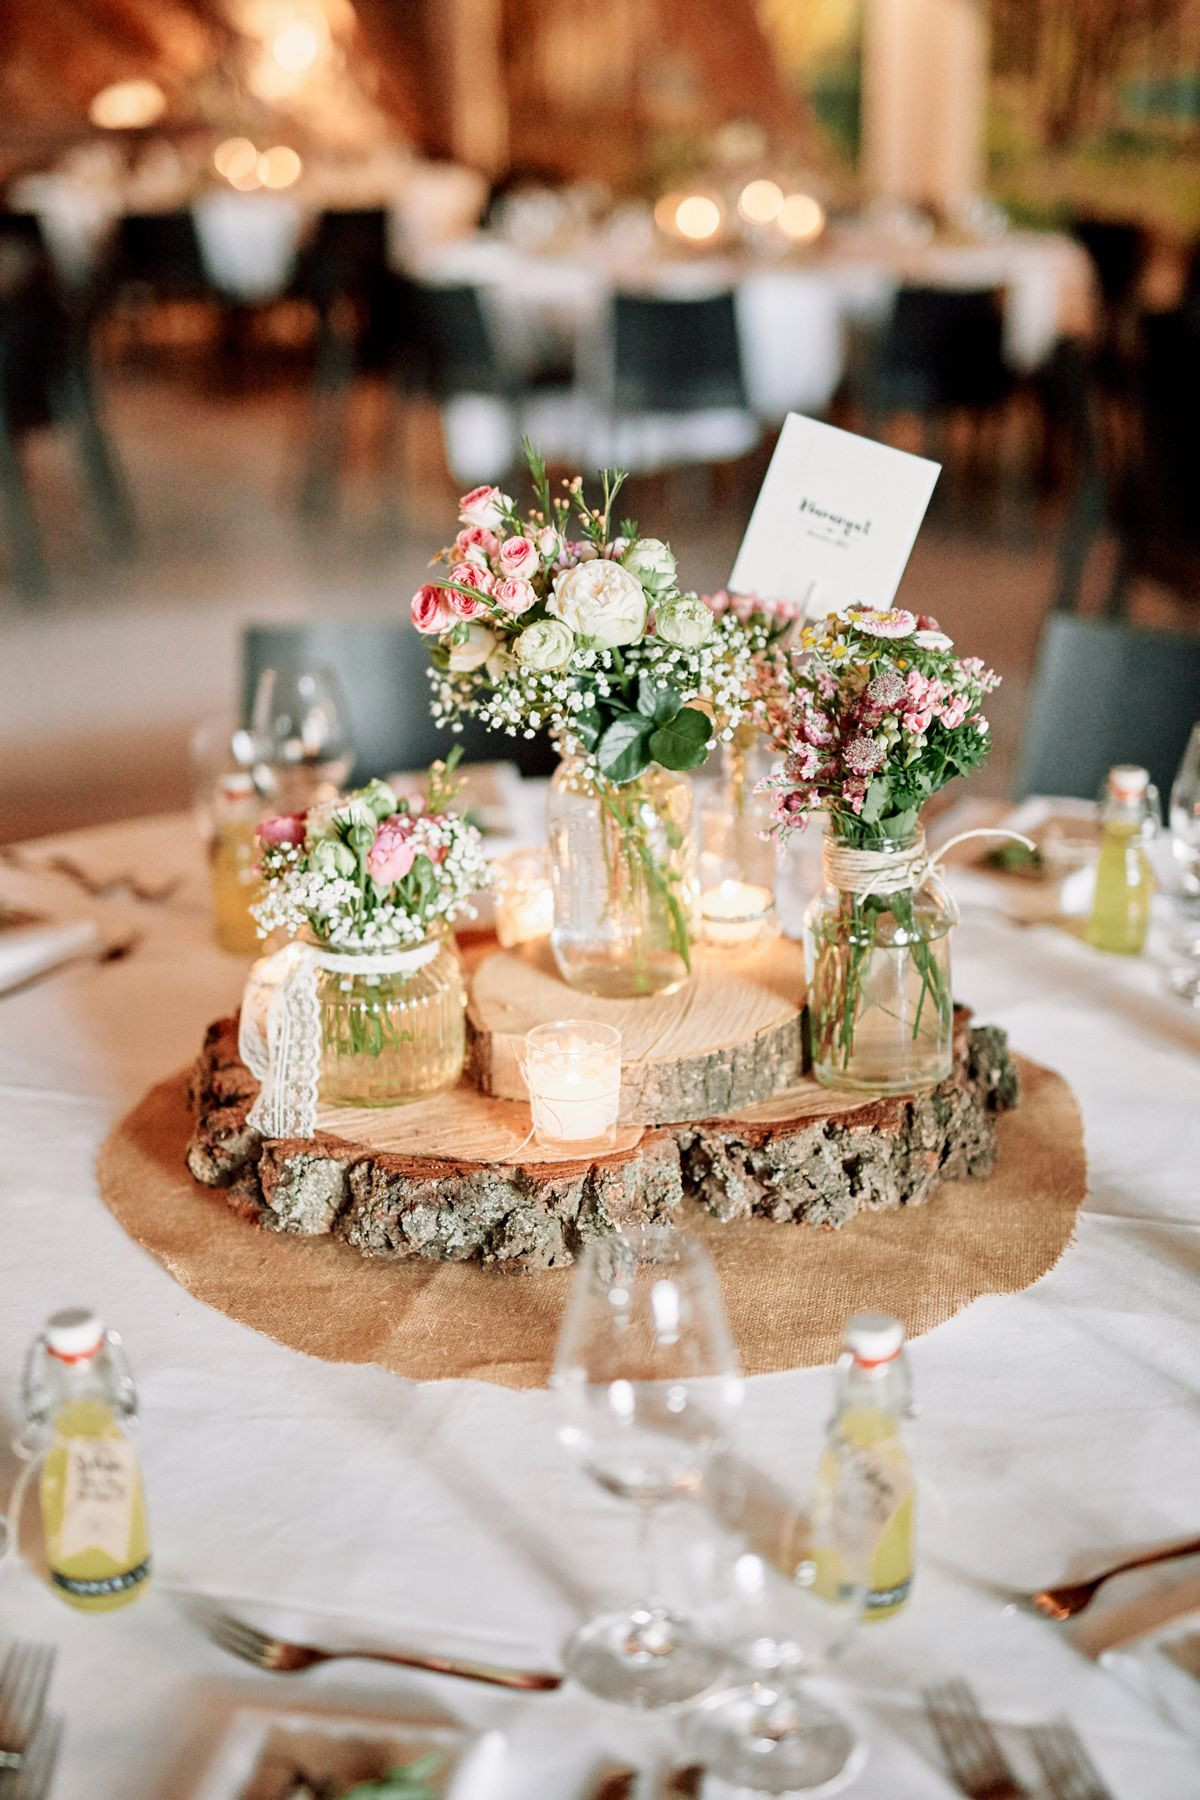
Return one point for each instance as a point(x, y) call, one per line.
point(388, 1038)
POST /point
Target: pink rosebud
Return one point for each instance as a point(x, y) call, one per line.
point(430, 613)
point(482, 506)
point(549, 543)
point(285, 828)
point(475, 543)
point(519, 558)
point(392, 854)
point(514, 595)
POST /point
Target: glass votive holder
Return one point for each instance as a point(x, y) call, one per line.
point(524, 898)
point(572, 1068)
point(737, 915)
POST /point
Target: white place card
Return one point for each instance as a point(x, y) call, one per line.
point(835, 520)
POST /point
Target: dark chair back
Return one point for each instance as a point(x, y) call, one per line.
point(1118, 249)
point(382, 668)
point(1106, 693)
point(347, 255)
point(942, 347)
point(676, 355)
point(446, 344)
point(160, 252)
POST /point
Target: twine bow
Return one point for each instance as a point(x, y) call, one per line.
point(855, 871)
point(279, 1034)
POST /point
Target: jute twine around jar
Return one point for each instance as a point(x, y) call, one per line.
point(855, 871)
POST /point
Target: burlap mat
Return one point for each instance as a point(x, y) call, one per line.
point(788, 1288)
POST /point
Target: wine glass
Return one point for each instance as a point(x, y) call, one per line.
point(1185, 844)
point(767, 1730)
point(648, 1383)
point(302, 740)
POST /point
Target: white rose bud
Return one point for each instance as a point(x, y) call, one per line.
point(472, 650)
point(549, 644)
point(684, 621)
point(333, 858)
point(602, 601)
point(652, 562)
point(356, 811)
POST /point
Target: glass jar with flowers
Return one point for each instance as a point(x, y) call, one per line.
point(885, 714)
point(373, 882)
point(589, 638)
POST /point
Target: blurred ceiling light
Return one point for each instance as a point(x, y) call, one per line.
point(279, 166)
point(698, 217)
point(297, 46)
point(761, 201)
point(127, 105)
point(236, 156)
point(801, 218)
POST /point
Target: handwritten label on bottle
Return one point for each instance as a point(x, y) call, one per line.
point(101, 1487)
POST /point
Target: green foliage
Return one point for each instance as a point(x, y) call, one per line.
point(412, 1782)
point(682, 743)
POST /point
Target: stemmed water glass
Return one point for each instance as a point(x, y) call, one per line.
point(301, 737)
point(648, 1383)
point(1185, 843)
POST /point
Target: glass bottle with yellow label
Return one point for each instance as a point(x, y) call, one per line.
point(81, 1404)
point(873, 1397)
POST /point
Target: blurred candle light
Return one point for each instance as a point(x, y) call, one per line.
point(524, 898)
point(573, 1070)
point(760, 202)
point(297, 46)
point(737, 914)
point(698, 217)
point(235, 157)
point(279, 167)
point(801, 218)
point(127, 105)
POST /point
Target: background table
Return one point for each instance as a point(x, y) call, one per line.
point(1055, 1425)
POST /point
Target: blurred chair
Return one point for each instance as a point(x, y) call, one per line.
point(676, 391)
point(1105, 693)
point(382, 668)
point(157, 256)
point(46, 382)
point(941, 349)
point(1118, 250)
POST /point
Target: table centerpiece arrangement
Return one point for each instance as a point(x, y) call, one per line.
point(589, 638)
point(367, 1000)
point(885, 714)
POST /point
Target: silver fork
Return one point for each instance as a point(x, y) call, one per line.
point(22, 1700)
point(977, 1765)
point(33, 1781)
point(1069, 1770)
point(284, 1658)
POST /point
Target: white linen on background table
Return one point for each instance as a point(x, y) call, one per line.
point(1055, 1424)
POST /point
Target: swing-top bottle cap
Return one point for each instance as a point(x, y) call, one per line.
point(1127, 781)
point(873, 1339)
point(75, 1334)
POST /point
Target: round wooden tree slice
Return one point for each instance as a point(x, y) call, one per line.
point(731, 1036)
point(450, 1179)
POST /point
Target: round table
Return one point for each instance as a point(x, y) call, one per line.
point(1056, 1427)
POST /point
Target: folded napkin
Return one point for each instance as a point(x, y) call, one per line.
point(1152, 1646)
point(31, 949)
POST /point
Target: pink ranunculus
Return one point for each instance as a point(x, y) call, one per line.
point(285, 828)
point(475, 543)
point(514, 595)
point(519, 558)
point(482, 506)
point(430, 612)
point(393, 853)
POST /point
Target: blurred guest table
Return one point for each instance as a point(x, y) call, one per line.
point(1057, 1427)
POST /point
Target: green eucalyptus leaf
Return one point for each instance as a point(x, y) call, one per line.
point(623, 751)
point(682, 743)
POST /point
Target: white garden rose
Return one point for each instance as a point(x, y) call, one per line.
point(652, 563)
point(602, 601)
point(354, 812)
point(684, 621)
point(330, 857)
point(472, 650)
point(548, 644)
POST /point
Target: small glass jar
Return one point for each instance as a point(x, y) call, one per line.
point(622, 866)
point(391, 1038)
point(880, 1002)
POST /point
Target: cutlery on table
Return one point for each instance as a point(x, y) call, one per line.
point(1070, 1597)
point(33, 1781)
point(978, 1767)
point(115, 951)
point(110, 887)
point(280, 1657)
point(23, 1687)
point(1069, 1770)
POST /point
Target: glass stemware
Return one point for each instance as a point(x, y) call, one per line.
point(1185, 844)
point(767, 1730)
point(301, 736)
point(648, 1382)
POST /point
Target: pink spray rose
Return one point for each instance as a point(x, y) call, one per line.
point(430, 613)
point(393, 852)
point(475, 543)
point(482, 506)
point(514, 595)
point(519, 558)
point(285, 828)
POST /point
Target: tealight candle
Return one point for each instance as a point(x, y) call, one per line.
point(524, 898)
point(573, 1070)
point(736, 913)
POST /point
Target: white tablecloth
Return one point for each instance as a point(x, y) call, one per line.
point(1059, 1424)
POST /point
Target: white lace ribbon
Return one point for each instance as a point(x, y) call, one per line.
point(890, 871)
point(279, 1034)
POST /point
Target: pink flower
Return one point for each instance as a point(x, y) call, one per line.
point(717, 603)
point(917, 722)
point(863, 755)
point(894, 623)
point(954, 711)
point(577, 550)
point(476, 544)
point(483, 506)
point(815, 727)
point(887, 690)
point(469, 574)
point(519, 558)
point(464, 606)
point(393, 853)
point(285, 828)
point(549, 543)
point(514, 595)
point(430, 613)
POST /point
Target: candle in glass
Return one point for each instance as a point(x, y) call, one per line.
point(573, 1070)
point(736, 913)
point(524, 899)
